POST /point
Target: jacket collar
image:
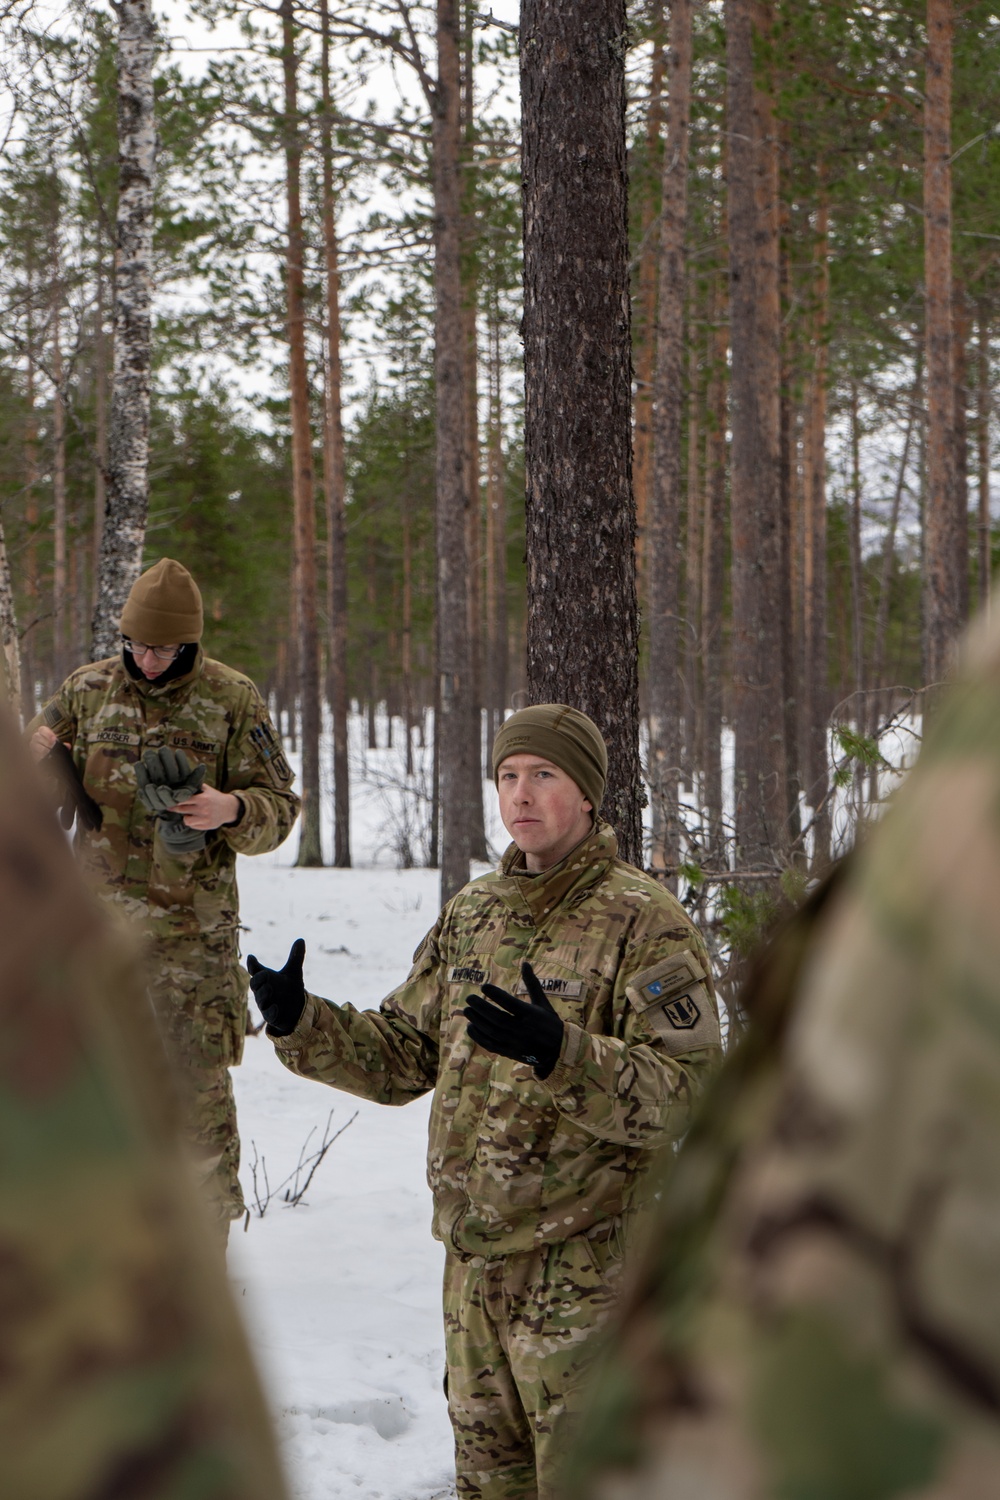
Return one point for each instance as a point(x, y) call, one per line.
point(537, 896)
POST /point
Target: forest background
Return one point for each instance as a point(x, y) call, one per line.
point(873, 214)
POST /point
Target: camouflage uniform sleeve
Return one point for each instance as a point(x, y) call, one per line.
point(58, 714)
point(389, 1055)
point(636, 1087)
point(261, 778)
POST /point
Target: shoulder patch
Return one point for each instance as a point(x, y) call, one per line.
point(675, 1004)
point(55, 717)
point(267, 748)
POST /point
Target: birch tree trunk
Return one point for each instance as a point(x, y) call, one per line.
point(759, 771)
point(944, 540)
point(663, 518)
point(334, 477)
point(124, 528)
point(310, 851)
point(580, 515)
point(452, 720)
point(10, 687)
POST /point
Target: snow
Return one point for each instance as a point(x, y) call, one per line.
point(341, 1294)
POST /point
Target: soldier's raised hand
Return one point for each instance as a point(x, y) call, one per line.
point(280, 993)
point(529, 1033)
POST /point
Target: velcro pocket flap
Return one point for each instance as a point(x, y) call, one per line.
point(675, 1004)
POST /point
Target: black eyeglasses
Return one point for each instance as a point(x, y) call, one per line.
point(139, 648)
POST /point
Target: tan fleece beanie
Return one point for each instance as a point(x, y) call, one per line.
point(164, 606)
point(562, 735)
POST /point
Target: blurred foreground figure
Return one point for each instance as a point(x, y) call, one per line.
point(123, 1371)
point(818, 1314)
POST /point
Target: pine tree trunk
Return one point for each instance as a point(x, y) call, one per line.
point(32, 593)
point(452, 725)
point(60, 588)
point(496, 538)
point(791, 665)
point(10, 662)
point(877, 673)
point(814, 561)
point(580, 515)
point(407, 648)
point(664, 680)
point(983, 450)
point(757, 582)
point(713, 582)
point(691, 755)
point(649, 265)
point(960, 338)
point(100, 425)
point(303, 492)
point(333, 470)
point(944, 539)
point(857, 602)
point(124, 529)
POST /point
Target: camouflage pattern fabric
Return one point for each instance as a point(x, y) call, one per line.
point(124, 1371)
point(519, 1336)
point(513, 1161)
point(818, 1314)
point(184, 905)
point(527, 1174)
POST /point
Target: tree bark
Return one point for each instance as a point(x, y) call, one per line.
point(944, 539)
point(100, 424)
point(303, 491)
point(692, 753)
point(663, 519)
point(10, 662)
point(814, 561)
point(496, 536)
point(760, 770)
point(60, 589)
point(649, 264)
point(124, 530)
point(580, 515)
point(452, 723)
point(983, 451)
point(713, 581)
point(959, 342)
point(335, 485)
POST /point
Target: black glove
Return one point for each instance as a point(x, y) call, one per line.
point(75, 802)
point(165, 778)
point(527, 1033)
point(280, 993)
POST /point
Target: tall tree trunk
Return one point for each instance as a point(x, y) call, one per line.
point(983, 450)
point(470, 303)
point(100, 424)
point(333, 472)
point(60, 586)
point(692, 755)
point(944, 536)
point(857, 583)
point(713, 579)
point(32, 593)
point(407, 622)
point(663, 520)
point(582, 612)
point(814, 561)
point(960, 338)
point(496, 536)
point(649, 270)
point(10, 661)
point(759, 770)
point(452, 722)
point(124, 530)
point(303, 492)
point(791, 665)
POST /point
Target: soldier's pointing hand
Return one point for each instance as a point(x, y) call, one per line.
point(280, 993)
point(529, 1033)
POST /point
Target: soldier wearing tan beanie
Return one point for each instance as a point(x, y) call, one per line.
point(183, 769)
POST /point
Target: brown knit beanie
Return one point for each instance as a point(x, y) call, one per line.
point(164, 606)
point(562, 735)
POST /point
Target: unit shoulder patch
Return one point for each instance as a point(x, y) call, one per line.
point(267, 748)
point(675, 1004)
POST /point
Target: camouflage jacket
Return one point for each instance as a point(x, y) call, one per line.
point(513, 1161)
point(818, 1311)
point(218, 717)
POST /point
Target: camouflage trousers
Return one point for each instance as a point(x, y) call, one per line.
point(519, 1339)
point(198, 988)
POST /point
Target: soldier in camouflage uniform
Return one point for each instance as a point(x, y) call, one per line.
point(124, 1372)
point(818, 1314)
point(174, 874)
point(547, 1108)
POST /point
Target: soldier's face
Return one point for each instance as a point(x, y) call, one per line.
point(542, 808)
point(152, 660)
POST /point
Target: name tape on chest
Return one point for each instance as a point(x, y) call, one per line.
point(111, 736)
point(475, 973)
point(467, 974)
